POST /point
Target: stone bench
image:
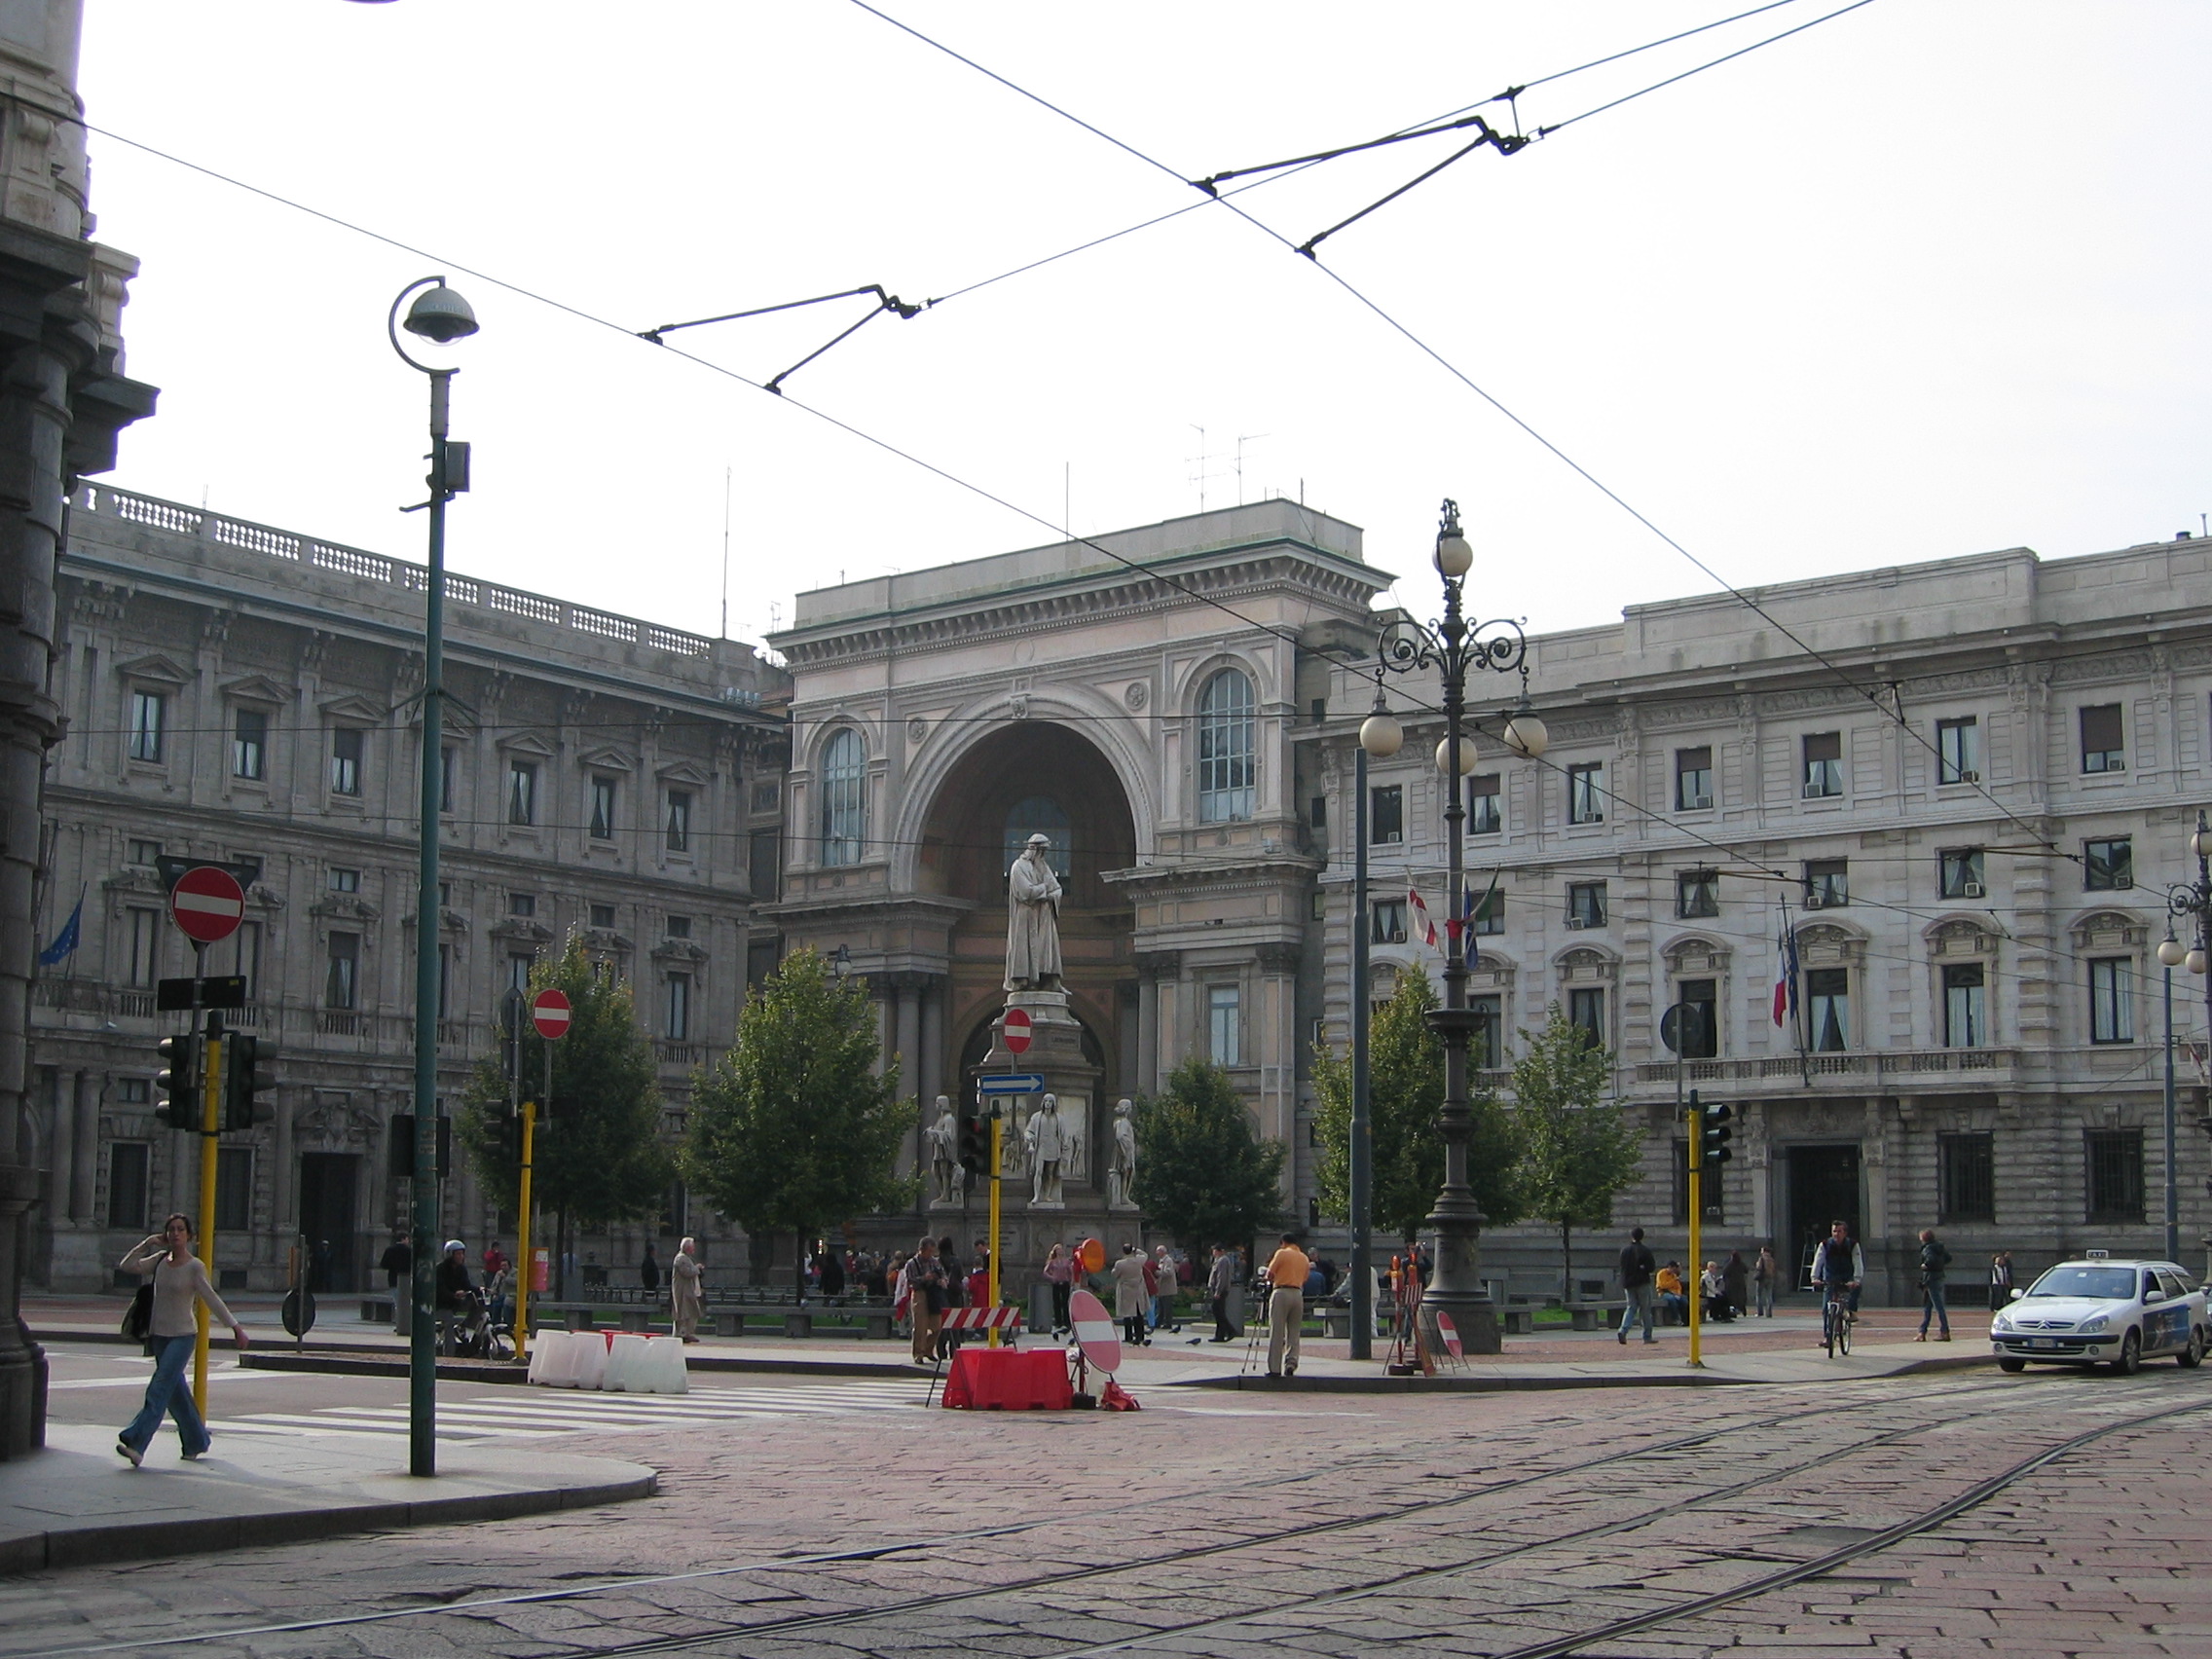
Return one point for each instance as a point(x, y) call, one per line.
point(377, 1311)
point(1518, 1321)
point(569, 1315)
point(1594, 1316)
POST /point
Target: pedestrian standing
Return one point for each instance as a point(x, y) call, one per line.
point(397, 1261)
point(1164, 1288)
point(686, 1287)
point(1129, 1294)
point(648, 1270)
point(1637, 1265)
point(1059, 1274)
point(2000, 1280)
point(1736, 1284)
point(1765, 1271)
point(925, 1293)
point(1288, 1270)
point(829, 1270)
point(1935, 1263)
point(1221, 1278)
point(171, 1334)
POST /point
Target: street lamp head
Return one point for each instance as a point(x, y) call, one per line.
point(2201, 843)
point(2198, 960)
point(439, 313)
point(2171, 952)
point(1381, 734)
point(1454, 557)
point(1525, 734)
point(1466, 756)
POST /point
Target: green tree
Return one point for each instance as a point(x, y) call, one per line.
point(1579, 1151)
point(792, 1130)
point(1204, 1175)
point(598, 1156)
point(1405, 1070)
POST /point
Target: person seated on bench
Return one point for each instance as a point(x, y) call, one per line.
point(1674, 1302)
point(1714, 1290)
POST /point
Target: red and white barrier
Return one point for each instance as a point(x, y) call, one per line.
point(982, 1319)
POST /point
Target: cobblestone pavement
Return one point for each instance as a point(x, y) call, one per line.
point(1617, 1524)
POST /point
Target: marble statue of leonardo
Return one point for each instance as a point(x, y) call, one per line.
point(1032, 922)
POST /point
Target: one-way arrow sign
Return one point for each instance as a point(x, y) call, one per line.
point(1012, 1083)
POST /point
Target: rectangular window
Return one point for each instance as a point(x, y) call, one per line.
point(129, 1164)
point(245, 958)
point(1225, 1036)
point(1586, 792)
point(1823, 765)
point(134, 1090)
point(149, 724)
point(602, 915)
point(1317, 812)
point(1693, 778)
point(1389, 921)
point(522, 904)
point(2113, 1175)
point(1386, 814)
point(1702, 1041)
point(346, 744)
point(342, 989)
point(2103, 749)
point(142, 940)
point(678, 926)
point(1965, 1169)
point(449, 777)
point(145, 852)
point(249, 744)
point(1586, 905)
point(1828, 1004)
point(676, 827)
point(1586, 1010)
point(1486, 1039)
point(676, 1028)
point(2108, 865)
point(518, 970)
point(602, 808)
point(344, 880)
point(764, 863)
point(1958, 874)
point(1489, 914)
point(767, 796)
point(1966, 1010)
point(522, 792)
point(1827, 883)
point(2112, 998)
point(234, 1189)
point(1697, 893)
point(1958, 751)
point(1484, 816)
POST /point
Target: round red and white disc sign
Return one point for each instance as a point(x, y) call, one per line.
point(207, 904)
point(549, 1012)
point(1013, 1031)
point(1095, 1332)
point(1451, 1335)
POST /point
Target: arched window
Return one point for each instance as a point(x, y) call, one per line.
point(1225, 767)
point(1037, 815)
point(844, 798)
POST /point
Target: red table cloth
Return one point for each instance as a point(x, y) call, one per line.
point(1008, 1379)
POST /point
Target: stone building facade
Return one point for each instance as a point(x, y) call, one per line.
point(233, 691)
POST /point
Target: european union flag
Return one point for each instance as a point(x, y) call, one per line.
point(65, 940)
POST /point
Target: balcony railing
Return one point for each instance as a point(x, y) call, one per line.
point(1874, 1063)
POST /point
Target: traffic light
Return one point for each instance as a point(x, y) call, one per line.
point(242, 1080)
point(1714, 1134)
point(178, 1083)
point(507, 1129)
point(974, 1144)
point(400, 1147)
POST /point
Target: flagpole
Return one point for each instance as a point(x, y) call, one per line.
point(1798, 1011)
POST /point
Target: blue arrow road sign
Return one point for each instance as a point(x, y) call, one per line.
point(1012, 1083)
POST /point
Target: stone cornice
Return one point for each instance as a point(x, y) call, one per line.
point(843, 911)
point(1266, 869)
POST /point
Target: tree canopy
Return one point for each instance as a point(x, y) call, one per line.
point(1405, 1068)
point(1202, 1171)
point(793, 1130)
point(598, 1156)
point(1579, 1152)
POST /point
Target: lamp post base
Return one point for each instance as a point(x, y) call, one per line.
point(1456, 1288)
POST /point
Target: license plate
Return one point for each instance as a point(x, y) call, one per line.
point(2042, 1342)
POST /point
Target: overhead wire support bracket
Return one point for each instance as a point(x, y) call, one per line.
point(884, 302)
point(1208, 183)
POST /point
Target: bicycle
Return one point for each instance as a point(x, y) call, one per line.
point(1836, 1325)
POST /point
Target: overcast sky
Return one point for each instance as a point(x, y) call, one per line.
point(1924, 280)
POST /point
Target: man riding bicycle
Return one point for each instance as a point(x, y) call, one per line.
point(1839, 1269)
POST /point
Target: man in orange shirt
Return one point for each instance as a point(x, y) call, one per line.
point(1287, 1271)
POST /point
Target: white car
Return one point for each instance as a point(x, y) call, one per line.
point(2101, 1308)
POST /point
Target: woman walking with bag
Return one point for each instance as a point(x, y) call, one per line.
point(172, 1332)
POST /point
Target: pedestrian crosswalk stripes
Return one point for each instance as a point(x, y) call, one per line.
point(536, 1413)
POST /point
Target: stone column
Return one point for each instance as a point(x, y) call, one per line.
point(929, 1082)
point(85, 1168)
point(1156, 1016)
point(907, 1043)
point(62, 1149)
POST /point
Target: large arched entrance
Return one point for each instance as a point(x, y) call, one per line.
point(1036, 776)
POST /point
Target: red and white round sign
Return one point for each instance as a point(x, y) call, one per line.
point(1013, 1031)
point(1094, 1331)
point(207, 904)
point(549, 1012)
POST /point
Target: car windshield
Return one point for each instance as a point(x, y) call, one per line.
point(2098, 1284)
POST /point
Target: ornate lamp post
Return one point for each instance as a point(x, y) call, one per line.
point(1453, 649)
point(2193, 899)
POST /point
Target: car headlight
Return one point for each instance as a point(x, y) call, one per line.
point(2096, 1324)
point(2003, 1322)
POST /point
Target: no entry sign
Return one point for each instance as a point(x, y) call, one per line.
point(1095, 1332)
point(1013, 1031)
point(207, 904)
point(549, 1012)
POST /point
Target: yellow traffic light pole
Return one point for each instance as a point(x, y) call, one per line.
point(525, 1266)
point(1695, 1265)
point(210, 1130)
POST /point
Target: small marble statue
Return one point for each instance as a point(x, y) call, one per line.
point(1032, 922)
point(1045, 1145)
point(1074, 1135)
point(1122, 1172)
point(948, 1179)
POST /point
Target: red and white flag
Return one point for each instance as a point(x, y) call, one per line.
point(1423, 926)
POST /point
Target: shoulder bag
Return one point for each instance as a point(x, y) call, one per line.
point(139, 1318)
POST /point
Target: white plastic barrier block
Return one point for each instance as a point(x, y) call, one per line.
point(624, 1356)
point(590, 1351)
point(659, 1369)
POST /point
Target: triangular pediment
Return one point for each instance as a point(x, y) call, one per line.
point(685, 774)
point(156, 666)
point(528, 743)
point(256, 688)
point(358, 709)
point(608, 760)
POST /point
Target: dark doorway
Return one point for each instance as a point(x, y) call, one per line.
point(329, 1182)
point(1823, 1188)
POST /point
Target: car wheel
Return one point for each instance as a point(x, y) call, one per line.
point(2192, 1354)
point(2131, 1359)
point(2006, 1362)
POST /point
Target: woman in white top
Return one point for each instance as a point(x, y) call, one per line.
point(179, 1281)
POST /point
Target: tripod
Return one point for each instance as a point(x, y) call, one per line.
point(1255, 1327)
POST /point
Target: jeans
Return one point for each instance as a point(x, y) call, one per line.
point(168, 1393)
point(1931, 1306)
point(1640, 1307)
point(1061, 1305)
point(1763, 1297)
point(1164, 1312)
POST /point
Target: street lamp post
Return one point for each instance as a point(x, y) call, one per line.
point(442, 316)
point(2193, 899)
point(1453, 649)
